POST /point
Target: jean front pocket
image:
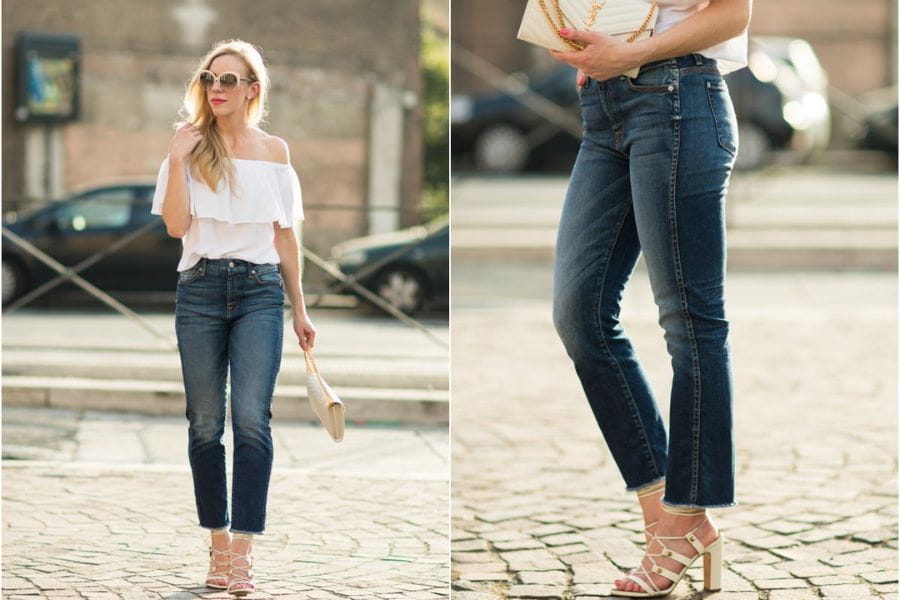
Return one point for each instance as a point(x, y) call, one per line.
point(266, 275)
point(191, 274)
point(656, 79)
point(723, 115)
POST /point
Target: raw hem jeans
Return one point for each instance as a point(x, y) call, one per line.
point(651, 176)
point(229, 314)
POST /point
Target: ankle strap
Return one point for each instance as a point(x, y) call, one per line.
point(688, 511)
point(652, 488)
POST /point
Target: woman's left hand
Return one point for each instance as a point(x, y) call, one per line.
point(304, 329)
point(603, 56)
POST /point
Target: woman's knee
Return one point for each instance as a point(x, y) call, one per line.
point(582, 320)
point(568, 317)
point(205, 427)
point(252, 426)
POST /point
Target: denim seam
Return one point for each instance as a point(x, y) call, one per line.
point(251, 532)
point(664, 502)
point(599, 296)
point(712, 108)
point(682, 294)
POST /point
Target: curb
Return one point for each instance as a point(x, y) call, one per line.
point(165, 366)
point(813, 249)
point(363, 405)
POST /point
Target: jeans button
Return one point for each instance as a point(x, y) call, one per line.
point(231, 264)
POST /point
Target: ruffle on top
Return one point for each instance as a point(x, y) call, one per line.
point(265, 191)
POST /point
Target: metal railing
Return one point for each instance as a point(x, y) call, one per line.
point(71, 273)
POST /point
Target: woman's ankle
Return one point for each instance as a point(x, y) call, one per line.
point(220, 538)
point(649, 497)
point(242, 543)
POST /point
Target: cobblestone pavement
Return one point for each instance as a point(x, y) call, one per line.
point(107, 510)
point(82, 530)
point(100, 504)
point(59, 434)
point(539, 509)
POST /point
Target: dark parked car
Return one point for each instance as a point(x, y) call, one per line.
point(780, 101)
point(878, 115)
point(407, 268)
point(73, 229)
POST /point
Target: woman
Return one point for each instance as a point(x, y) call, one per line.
point(228, 190)
point(651, 176)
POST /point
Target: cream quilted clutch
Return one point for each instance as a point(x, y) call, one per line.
point(630, 20)
point(324, 402)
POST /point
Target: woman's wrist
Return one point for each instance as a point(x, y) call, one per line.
point(642, 52)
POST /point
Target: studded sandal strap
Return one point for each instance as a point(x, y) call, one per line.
point(689, 537)
point(698, 546)
point(667, 553)
point(670, 575)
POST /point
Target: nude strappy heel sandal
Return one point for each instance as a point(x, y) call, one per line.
point(712, 566)
point(241, 580)
point(218, 559)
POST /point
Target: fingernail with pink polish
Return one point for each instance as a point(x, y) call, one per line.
point(564, 31)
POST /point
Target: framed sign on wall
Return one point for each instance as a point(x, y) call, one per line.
point(47, 81)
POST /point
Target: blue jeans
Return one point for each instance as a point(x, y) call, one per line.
point(651, 175)
point(229, 313)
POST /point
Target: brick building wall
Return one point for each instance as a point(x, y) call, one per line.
point(328, 60)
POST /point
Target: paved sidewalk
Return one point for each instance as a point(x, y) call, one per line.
point(539, 509)
point(104, 508)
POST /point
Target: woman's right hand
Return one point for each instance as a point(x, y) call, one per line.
point(187, 136)
point(580, 79)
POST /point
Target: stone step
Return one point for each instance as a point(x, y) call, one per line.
point(363, 405)
point(428, 373)
point(810, 248)
point(740, 216)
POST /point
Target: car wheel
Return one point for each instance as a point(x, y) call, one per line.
point(753, 147)
point(402, 288)
point(13, 281)
point(501, 149)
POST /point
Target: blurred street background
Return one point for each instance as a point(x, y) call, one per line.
point(538, 506)
point(97, 493)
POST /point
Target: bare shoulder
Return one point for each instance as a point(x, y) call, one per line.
point(278, 149)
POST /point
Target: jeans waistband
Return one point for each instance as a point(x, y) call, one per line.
point(235, 265)
point(687, 60)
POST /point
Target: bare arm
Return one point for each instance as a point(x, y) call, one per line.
point(288, 249)
point(605, 57)
point(176, 212)
point(718, 22)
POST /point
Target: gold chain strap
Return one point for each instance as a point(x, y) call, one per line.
point(589, 21)
point(570, 43)
point(644, 25)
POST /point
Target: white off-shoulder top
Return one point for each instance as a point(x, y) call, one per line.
point(236, 223)
point(730, 55)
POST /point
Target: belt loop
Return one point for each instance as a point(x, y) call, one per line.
point(698, 58)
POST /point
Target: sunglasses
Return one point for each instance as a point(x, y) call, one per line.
point(228, 80)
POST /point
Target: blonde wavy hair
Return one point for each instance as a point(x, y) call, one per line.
point(209, 157)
